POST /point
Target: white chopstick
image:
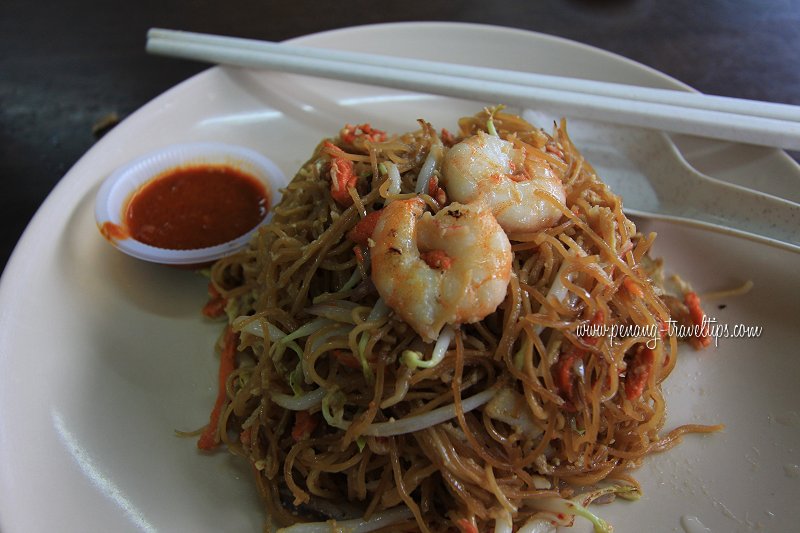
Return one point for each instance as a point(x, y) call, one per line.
point(616, 90)
point(732, 119)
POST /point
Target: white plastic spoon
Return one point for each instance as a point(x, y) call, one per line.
point(655, 181)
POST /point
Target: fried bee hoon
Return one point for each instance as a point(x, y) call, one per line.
point(419, 338)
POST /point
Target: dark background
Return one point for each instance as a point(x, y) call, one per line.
point(65, 65)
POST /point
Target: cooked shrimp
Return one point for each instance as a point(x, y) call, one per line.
point(489, 169)
point(449, 268)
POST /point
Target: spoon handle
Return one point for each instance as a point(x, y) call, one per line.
point(689, 197)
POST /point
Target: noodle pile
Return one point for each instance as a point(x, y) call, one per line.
point(511, 422)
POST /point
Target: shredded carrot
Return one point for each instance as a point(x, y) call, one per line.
point(562, 371)
point(698, 318)
point(333, 150)
point(465, 526)
point(346, 358)
point(365, 227)
point(436, 192)
point(433, 186)
point(638, 372)
point(350, 133)
point(447, 138)
point(437, 259)
point(342, 176)
point(208, 439)
point(359, 253)
point(304, 425)
point(342, 179)
point(215, 307)
point(633, 288)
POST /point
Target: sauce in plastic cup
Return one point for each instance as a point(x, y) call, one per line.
point(230, 172)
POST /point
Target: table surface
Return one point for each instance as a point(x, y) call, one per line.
point(64, 67)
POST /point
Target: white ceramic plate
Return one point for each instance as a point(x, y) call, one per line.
point(103, 356)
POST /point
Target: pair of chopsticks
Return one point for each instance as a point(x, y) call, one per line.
point(718, 117)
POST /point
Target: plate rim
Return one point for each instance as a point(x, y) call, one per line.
point(17, 259)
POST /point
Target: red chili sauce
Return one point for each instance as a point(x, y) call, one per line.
point(196, 207)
